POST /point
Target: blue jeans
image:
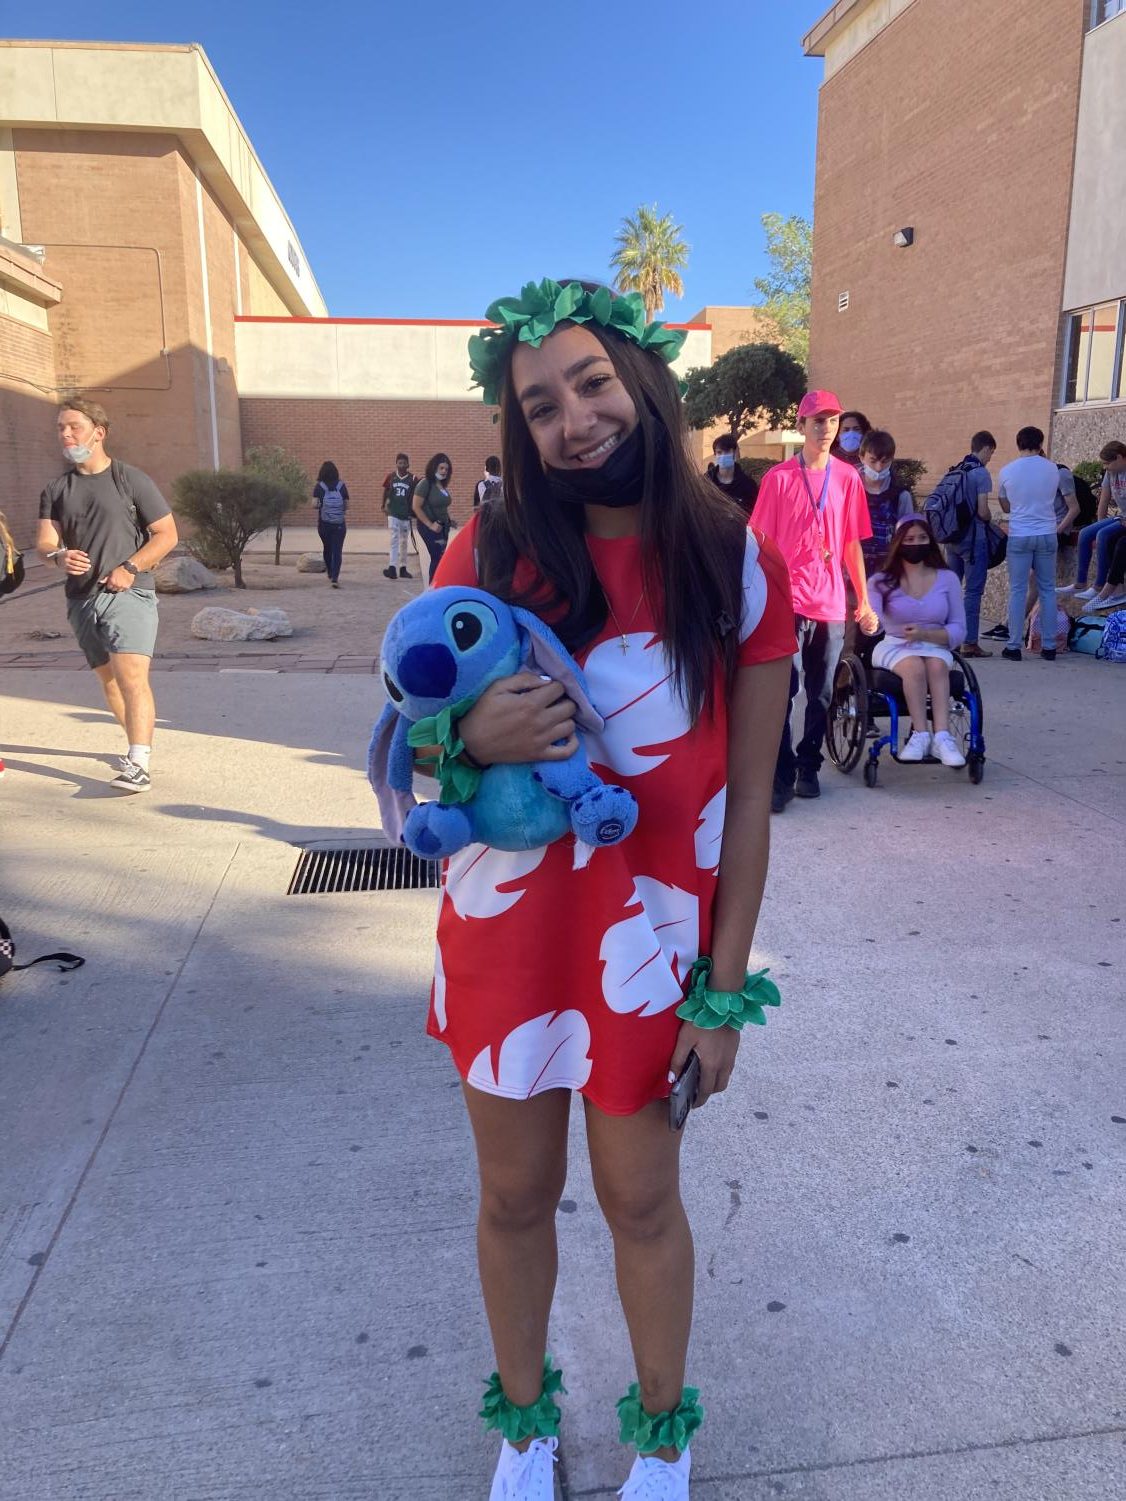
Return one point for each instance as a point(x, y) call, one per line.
point(1038, 555)
point(1105, 533)
point(331, 534)
point(970, 561)
point(815, 665)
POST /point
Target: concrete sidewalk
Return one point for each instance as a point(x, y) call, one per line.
point(237, 1192)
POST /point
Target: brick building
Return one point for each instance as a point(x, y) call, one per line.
point(136, 223)
point(969, 224)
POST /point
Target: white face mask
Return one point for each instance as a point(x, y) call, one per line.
point(875, 476)
point(77, 453)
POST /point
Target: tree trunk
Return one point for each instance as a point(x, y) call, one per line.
point(277, 544)
point(238, 573)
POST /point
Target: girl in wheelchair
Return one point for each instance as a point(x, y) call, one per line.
point(919, 604)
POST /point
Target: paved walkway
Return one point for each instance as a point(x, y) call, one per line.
point(237, 1190)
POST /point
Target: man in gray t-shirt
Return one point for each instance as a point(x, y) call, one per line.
point(107, 526)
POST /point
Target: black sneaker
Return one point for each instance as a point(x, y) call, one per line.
point(132, 778)
point(1012, 654)
point(1048, 653)
point(389, 573)
point(807, 785)
point(998, 633)
point(779, 798)
point(403, 574)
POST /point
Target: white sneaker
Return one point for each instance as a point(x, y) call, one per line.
point(946, 749)
point(529, 1476)
point(917, 748)
point(657, 1480)
point(1066, 588)
point(1112, 602)
point(1087, 593)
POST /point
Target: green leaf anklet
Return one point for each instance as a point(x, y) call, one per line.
point(727, 1008)
point(539, 1420)
point(650, 1431)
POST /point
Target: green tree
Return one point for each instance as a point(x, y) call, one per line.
point(650, 256)
point(292, 486)
point(751, 386)
point(226, 508)
point(785, 289)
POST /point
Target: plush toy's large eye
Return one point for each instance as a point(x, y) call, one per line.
point(393, 692)
point(470, 625)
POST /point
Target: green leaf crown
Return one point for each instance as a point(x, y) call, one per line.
point(542, 307)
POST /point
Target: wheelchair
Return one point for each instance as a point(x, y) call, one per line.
point(863, 694)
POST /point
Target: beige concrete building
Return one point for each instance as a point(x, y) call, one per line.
point(137, 223)
point(969, 253)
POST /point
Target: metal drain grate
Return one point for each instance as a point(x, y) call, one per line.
point(374, 868)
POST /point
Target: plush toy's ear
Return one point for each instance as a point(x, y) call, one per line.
point(391, 771)
point(545, 653)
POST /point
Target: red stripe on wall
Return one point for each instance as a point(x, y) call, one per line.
point(417, 322)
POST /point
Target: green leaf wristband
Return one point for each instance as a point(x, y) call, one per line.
point(458, 780)
point(727, 1008)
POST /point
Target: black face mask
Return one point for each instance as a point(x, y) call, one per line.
point(915, 552)
point(620, 481)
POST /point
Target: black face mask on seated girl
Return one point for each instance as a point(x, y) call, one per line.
point(620, 481)
point(915, 552)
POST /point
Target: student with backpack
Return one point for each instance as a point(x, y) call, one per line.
point(107, 526)
point(489, 488)
point(330, 497)
point(958, 515)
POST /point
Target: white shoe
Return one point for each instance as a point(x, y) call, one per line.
point(1112, 602)
point(529, 1476)
point(657, 1480)
point(1087, 593)
point(1066, 588)
point(917, 747)
point(946, 749)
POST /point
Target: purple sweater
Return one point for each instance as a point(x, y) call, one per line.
point(941, 605)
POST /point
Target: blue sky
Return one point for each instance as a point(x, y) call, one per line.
point(433, 156)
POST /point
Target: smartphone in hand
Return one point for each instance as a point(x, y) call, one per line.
point(682, 1096)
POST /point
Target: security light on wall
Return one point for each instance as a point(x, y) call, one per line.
point(904, 237)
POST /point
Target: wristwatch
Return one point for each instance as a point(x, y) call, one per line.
point(131, 568)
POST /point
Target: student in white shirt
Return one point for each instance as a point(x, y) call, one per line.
point(1027, 493)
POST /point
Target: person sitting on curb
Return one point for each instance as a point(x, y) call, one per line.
point(726, 472)
point(919, 603)
point(1102, 535)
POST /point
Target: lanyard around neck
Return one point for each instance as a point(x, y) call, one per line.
point(818, 504)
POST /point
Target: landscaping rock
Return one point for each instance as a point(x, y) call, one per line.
point(214, 623)
point(182, 576)
point(311, 562)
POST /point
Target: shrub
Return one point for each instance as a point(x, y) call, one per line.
point(226, 507)
point(910, 473)
point(1090, 470)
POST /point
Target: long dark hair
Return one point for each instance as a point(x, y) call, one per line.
point(895, 565)
point(328, 475)
point(693, 537)
point(432, 467)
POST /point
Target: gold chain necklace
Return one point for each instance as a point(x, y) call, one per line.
point(614, 613)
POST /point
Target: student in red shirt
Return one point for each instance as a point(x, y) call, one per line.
point(814, 509)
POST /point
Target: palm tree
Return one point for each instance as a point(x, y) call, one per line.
point(650, 256)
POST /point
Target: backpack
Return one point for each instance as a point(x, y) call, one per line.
point(951, 507)
point(8, 955)
point(1086, 635)
point(1112, 648)
point(491, 489)
point(11, 562)
point(1063, 630)
point(1088, 501)
point(996, 545)
point(332, 505)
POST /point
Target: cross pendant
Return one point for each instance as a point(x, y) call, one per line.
point(625, 646)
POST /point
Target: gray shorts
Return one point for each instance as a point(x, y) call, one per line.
point(106, 623)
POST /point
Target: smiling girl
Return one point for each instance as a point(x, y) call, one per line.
point(554, 977)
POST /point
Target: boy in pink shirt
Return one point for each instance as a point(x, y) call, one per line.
point(814, 509)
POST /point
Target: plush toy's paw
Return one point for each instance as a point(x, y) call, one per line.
point(434, 830)
point(606, 815)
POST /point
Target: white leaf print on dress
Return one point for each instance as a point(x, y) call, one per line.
point(635, 694)
point(647, 957)
point(754, 589)
point(475, 875)
point(440, 975)
point(709, 832)
point(551, 1051)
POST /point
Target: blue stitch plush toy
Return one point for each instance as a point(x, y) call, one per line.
point(440, 653)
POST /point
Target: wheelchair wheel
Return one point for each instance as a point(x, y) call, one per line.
point(848, 715)
point(871, 773)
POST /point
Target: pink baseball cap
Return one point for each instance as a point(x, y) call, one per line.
point(814, 402)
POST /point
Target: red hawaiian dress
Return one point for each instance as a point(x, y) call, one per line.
point(551, 977)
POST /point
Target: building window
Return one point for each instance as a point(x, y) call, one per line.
point(1103, 10)
point(1093, 368)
